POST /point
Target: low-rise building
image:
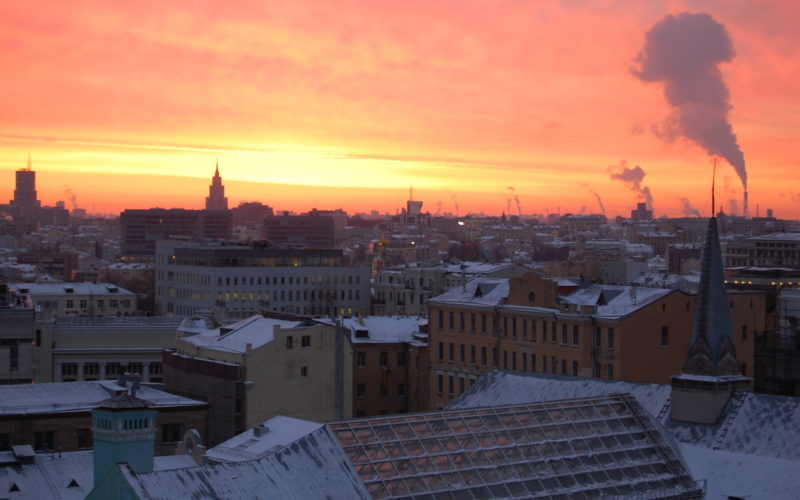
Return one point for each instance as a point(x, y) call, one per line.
point(57, 417)
point(260, 367)
point(78, 299)
point(78, 349)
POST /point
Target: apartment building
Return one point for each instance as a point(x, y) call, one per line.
point(605, 331)
point(78, 299)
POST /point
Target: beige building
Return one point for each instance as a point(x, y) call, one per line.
point(69, 349)
point(78, 299)
point(603, 331)
point(261, 367)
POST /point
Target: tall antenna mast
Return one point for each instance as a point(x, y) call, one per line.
point(713, 179)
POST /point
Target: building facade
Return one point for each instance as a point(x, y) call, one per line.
point(140, 229)
point(605, 331)
point(78, 299)
point(242, 279)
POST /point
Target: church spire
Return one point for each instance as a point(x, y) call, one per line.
point(711, 351)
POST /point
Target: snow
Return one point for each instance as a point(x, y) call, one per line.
point(741, 475)
point(256, 331)
point(278, 432)
point(60, 397)
point(86, 288)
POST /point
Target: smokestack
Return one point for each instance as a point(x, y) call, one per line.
point(745, 212)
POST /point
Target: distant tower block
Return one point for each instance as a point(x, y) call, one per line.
point(216, 199)
point(25, 198)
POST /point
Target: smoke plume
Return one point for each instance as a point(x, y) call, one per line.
point(683, 52)
point(71, 195)
point(633, 178)
point(455, 202)
point(687, 208)
point(596, 197)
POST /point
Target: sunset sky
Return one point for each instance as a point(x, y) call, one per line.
point(347, 104)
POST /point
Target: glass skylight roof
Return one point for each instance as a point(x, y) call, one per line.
point(583, 448)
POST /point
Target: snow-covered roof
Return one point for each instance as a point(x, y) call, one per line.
point(755, 430)
point(311, 467)
point(51, 475)
point(255, 330)
point(615, 300)
point(599, 447)
point(68, 397)
point(389, 329)
point(478, 291)
point(262, 440)
point(61, 288)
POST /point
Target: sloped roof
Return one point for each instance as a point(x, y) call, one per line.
point(61, 397)
point(311, 467)
point(760, 428)
point(478, 291)
point(253, 443)
point(586, 448)
point(49, 476)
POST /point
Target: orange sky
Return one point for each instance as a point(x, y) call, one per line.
point(346, 104)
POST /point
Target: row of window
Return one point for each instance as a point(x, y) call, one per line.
point(99, 303)
point(282, 295)
point(383, 359)
point(305, 341)
point(515, 327)
point(383, 390)
point(48, 440)
point(510, 359)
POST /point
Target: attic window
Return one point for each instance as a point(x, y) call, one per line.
point(73, 484)
point(112, 289)
point(13, 488)
point(362, 334)
point(69, 290)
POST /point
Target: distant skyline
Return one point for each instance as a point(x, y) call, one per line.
point(480, 106)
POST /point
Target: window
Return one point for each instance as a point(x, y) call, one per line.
point(533, 330)
point(610, 338)
point(383, 359)
point(70, 304)
point(744, 332)
point(563, 367)
point(440, 384)
point(82, 303)
point(401, 390)
point(544, 364)
point(44, 440)
point(84, 438)
point(440, 316)
point(91, 370)
point(514, 328)
point(361, 391)
point(483, 356)
point(289, 341)
point(564, 334)
point(461, 321)
point(665, 335)
point(524, 329)
point(383, 390)
point(513, 360)
point(451, 322)
point(505, 327)
point(524, 362)
point(461, 385)
point(610, 372)
point(401, 358)
point(462, 353)
point(451, 350)
point(483, 323)
point(575, 334)
point(101, 304)
point(597, 333)
point(505, 360)
point(304, 371)
point(361, 359)
point(441, 351)
point(494, 356)
point(472, 354)
point(113, 303)
point(305, 341)
point(450, 384)
point(533, 362)
point(575, 368)
point(171, 433)
point(472, 322)
point(554, 364)
point(553, 332)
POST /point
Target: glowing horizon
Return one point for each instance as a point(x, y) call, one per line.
point(348, 104)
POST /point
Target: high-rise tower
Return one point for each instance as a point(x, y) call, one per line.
point(25, 192)
point(216, 199)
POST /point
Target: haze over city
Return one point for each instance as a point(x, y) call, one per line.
point(520, 107)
